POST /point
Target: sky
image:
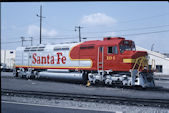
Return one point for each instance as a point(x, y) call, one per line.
point(146, 23)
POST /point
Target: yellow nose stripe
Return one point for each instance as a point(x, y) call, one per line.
point(128, 60)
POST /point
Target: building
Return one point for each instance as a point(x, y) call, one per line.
point(8, 58)
point(160, 61)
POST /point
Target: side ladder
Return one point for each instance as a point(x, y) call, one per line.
point(100, 62)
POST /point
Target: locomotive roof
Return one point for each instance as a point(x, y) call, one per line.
point(106, 41)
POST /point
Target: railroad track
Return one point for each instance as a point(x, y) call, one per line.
point(155, 89)
point(163, 103)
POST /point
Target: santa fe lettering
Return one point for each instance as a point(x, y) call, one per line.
point(48, 59)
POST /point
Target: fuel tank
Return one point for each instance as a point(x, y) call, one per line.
point(70, 76)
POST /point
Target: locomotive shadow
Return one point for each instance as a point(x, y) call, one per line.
point(59, 80)
point(101, 85)
point(137, 88)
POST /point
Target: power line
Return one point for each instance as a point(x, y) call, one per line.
point(146, 33)
point(144, 18)
point(137, 19)
point(133, 29)
point(10, 42)
point(22, 40)
point(59, 28)
point(69, 36)
point(61, 38)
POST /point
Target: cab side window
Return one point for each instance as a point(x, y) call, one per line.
point(115, 50)
point(112, 50)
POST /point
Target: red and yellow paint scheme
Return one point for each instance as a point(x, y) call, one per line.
point(118, 55)
point(111, 60)
point(119, 61)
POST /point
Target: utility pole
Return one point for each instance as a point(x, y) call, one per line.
point(31, 41)
point(152, 47)
point(79, 32)
point(23, 39)
point(40, 21)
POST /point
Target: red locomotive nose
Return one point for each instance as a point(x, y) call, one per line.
point(133, 56)
point(137, 54)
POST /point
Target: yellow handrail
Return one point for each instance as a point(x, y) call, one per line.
point(142, 62)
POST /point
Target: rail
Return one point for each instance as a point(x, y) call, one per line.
point(164, 103)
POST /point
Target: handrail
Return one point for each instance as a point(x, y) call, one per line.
point(141, 62)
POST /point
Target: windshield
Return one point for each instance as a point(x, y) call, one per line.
point(127, 46)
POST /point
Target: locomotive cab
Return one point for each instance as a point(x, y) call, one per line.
point(140, 73)
point(118, 62)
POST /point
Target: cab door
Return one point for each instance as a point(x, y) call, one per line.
point(111, 58)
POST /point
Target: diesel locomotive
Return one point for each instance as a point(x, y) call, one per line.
point(113, 60)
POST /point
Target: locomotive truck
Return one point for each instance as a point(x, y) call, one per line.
point(113, 60)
